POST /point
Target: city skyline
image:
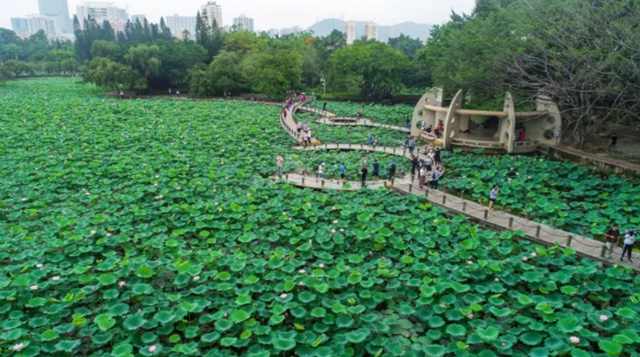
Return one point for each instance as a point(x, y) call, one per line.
point(275, 14)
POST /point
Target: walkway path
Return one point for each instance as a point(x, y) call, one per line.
point(535, 232)
point(594, 157)
point(329, 118)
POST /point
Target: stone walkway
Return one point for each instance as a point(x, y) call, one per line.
point(535, 232)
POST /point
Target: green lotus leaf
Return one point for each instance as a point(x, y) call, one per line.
point(164, 317)
point(104, 321)
point(49, 335)
point(610, 347)
point(239, 316)
point(358, 336)
point(228, 341)
point(531, 338)
point(456, 330)
point(107, 279)
point(133, 322)
point(145, 272)
point(568, 324)
point(435, 350)
point(489, 334)
point(282, 344)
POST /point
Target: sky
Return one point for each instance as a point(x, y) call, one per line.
point(268, 14)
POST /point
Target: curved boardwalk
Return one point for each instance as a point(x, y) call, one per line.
point(535, 232)
point(329, 118)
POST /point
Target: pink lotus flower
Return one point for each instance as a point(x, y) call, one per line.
point(93, 232)
point(604, 318)
point(332, 208)
point(301, 271)
point(33, 287)
point(470, 316)
point(496, 279)
point(574, 339)
point(152, 348)
point(196, 278)
point(226, 314)
point(18, 347)
point(333, 231)
point(504, 344)
point(55, 278)
point(121, 284)
point(93, 288)
point(139, 310)
point(283, 296)
point(38, 265)
point(525, 259)
point(534, 254)
point(321, 265)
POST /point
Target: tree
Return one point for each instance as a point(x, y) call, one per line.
point(226, 73)
point(107, 49)
point(145, 60)
point(200, 83)
point(584, 55)
point(278, 72)
point(109, 74)
point(244, 42)
point(409, 46)
point(372, 67)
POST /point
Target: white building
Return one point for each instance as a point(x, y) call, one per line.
point(349, 29)
point(273, 33)
point(101, 11)
point(48, 24)
point(371, 30)
point(59, 10)
point(178, 24)
point(136, 18)
point(243, 23)
point(20, 26)
point(210, 12)
point(291, 31)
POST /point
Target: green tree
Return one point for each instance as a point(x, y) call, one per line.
point(278, 72)
point(144, 59)
point(372, 67)
point(409, 46)
point(226, 73)
point(107, 49)
point(244, 42)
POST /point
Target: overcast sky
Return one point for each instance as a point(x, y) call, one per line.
point(275, 13)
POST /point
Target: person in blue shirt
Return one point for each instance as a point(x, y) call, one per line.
point(436, 176)
point(392, 169)
point(370, 139)
point(343, 172)
point(492, 196)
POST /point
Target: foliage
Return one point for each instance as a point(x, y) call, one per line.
point(151, 228)
point(409, 46)
point(384, 114)
point(573, 195)
point(373, 67)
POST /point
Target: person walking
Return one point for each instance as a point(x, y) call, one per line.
point(279, 160)
point(343, 173)
point(321, 170)
point(324, 107)
point(299, 127)
point(493, 196)
point(370, 140)
point(629, 238)
point(428, 162)
point(360, 112)
point(392, 170)
point(436, 177)
point(376, 170)
point(612, 236)
point(363, 177)
point(407, 122)
point(436, 157)
point(614, 142)
point(169, 92)
point(412, 145)
point(423, 177)
point(414, 164)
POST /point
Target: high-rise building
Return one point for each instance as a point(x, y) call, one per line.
point(371, 30)
point(59, 10)
point(20, 26)
point(243, 23)
point(291, 31)
point(136, 18)
point(349, 29)
point(178, 24)
point(101, 11)
point(273, 33)
point(45, 23)
point(212, 12)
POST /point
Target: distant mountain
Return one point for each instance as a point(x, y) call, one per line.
point(411, 29)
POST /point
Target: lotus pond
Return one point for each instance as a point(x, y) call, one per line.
point(151, 228)
point(352, 134)
point(379, 113)
point(571, 194)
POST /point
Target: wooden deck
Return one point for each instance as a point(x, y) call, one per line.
point(535, 232)
point(329, 118)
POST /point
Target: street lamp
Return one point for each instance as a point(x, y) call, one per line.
point(324, 85)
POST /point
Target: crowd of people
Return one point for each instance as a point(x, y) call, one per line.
point(437, 131)
point(612, 237)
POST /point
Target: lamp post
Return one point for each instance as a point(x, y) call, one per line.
point(324, 85)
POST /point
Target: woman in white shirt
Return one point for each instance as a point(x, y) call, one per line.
point(629, 238)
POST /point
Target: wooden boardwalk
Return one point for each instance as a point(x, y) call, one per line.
point(535, 232)
point(329, 118)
